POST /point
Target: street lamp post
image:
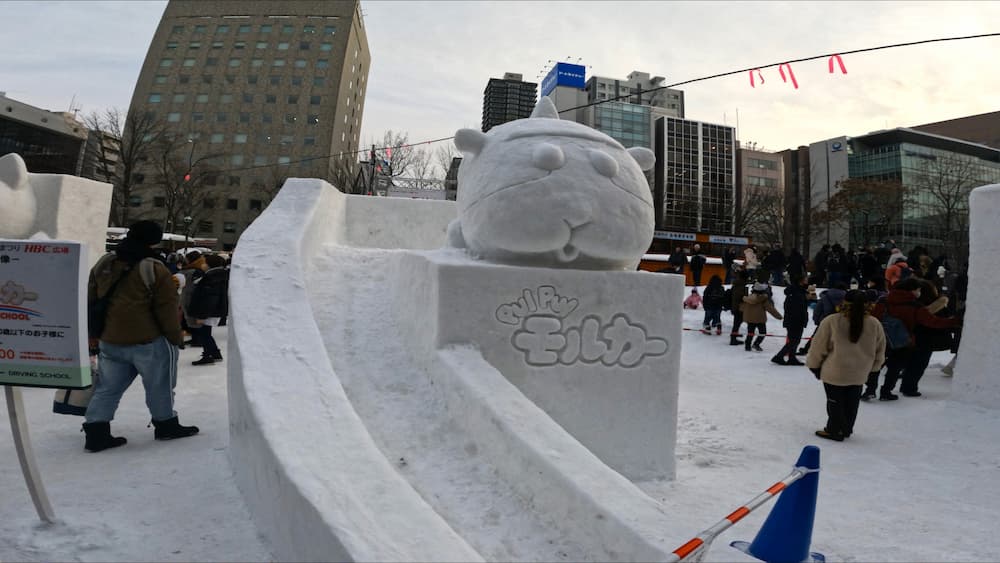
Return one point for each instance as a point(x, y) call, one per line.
point(187, 230)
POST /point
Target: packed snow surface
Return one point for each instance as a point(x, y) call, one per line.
point(916, 481)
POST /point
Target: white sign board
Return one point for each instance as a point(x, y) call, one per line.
point(43, 326)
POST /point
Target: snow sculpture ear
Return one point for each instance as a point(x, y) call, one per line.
point(643, 156)
point(470, 141)
point(13, 172)
point(545, 108)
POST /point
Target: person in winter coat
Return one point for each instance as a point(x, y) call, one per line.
point(697, 264)
point(693, 301)
point(903, 303)
point(820, 264)
point(201, 328)
point(728, 257)
point(756, 306)
point(828, 303)
point(739, 291)
point(140, 337)
point(678, 260)
point(774, 263)
point(796, 319)
point(750, 262)
point(796, 264)
point(847, 348)
point(715, 294)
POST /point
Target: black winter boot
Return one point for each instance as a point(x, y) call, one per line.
point(733, 341)
point(171, 428)
point(757, 343)
point(99, 437)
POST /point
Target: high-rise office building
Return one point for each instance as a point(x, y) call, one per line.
point(699, 187)
point(254, 92)
point(506, 99)
point(49, 142)
point(640, 89)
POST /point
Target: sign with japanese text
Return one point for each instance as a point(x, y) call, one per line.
point(43, 334)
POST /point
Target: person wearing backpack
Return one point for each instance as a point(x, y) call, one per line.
point(847, 348)
point(901, 309)
point(138, 334)
point(897, 269)
point(204, 301)
point(715, 296)
point(756, 307)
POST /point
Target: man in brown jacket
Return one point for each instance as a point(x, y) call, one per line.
point(140, 337)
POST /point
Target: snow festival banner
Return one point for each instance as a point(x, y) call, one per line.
point(43, 335)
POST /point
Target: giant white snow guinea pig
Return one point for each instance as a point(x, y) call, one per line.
point(17, 198)
point(545, 192)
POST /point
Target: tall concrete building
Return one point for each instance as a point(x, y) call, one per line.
point(760, 186)
point(506, 99)
point(49, 142)
point(640, 89)
point(255, 92)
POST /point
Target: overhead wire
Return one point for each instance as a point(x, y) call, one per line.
point(626, 96)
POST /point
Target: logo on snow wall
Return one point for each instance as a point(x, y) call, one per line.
point(12, 295)
point(546, 339)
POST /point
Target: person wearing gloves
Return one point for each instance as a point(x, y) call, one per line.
point(848, 347)
point(693, 301)
point(755, 308)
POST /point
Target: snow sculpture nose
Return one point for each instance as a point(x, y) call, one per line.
point(548, 157)
point(604, 163)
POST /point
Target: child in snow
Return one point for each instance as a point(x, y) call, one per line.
point(755, 307)
point(715, 294)
point(693, 301)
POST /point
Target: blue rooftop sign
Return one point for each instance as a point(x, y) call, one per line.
point(564, 74)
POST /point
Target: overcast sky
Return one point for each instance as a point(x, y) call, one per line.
point(431, 60)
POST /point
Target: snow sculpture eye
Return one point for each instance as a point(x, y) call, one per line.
point(604, 163)
point(548, 157)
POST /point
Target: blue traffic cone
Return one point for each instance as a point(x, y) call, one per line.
point(787, 532)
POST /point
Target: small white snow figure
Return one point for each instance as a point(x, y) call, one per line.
point(546, 192)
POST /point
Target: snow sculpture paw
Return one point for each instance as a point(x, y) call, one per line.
point(17, 199)
point(545, 192)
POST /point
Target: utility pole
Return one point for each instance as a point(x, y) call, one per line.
point(371, 175)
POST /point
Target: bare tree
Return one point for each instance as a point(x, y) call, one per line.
point(947, 183)
point(395, 156)
point(875, 204)
point(444, 153)
point(762, 215)
point(123, 143)
point(186, 179)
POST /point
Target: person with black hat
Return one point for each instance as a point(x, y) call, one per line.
point(140, 336)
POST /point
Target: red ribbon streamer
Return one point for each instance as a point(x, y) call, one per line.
point(781, 70)
point(759, 75)
point(839, 62)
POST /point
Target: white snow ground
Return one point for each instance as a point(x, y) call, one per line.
point(916, 482)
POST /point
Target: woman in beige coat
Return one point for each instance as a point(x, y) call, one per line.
point(846, 348)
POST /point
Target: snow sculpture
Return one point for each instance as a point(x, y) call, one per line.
point(53, 206)
point(546, 192)
point(976, 378)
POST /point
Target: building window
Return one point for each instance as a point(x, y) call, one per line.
point(329, 30)
point(323, 63)
point(309, 29)
point(230, 79)
point(300, 63)
point(166, 63)
point(244, 29)
point(171, 45)
point(135, 201)
point(206, 78)
point(199, 29)
point(220, 29)
point(201, 98)
point(188, 62)
point(232, 204)
point(275, 80)
point(159, 201)
point(217, 138)
point(312, 119)
point(296, 81)
point(252, 79)
point(293, 99)
point(197, 117)
point(287, 140)
point(205, 227)
point(284, 159)
point(173, 117)
point(315, 100)
point(256, 205)
point(326, 47)
point(270, 99)
point(256, 62)
point(160, 79)
point(177, 29)
point(244, 117)
point(287, 29)
point(236, 159)
point(208, 203)
point(283, 46)
point(261, 45)
point(264, 139)
point(239, 45)
point(289, 119)
point(247, 98)
point(220, 117)
point(266, 28)
point(234, 181)
point(179, 98)
point(259, 160)
point(278, 62)
point(308, 141)
point(763, 164)
point(212, 61)
point(217, 44)
point(195, 45)
point(154, 98)
point(303, 45)
point(266, 118)
point(240, 138)
point(228, 227)
point(319, 81)
point(226, 98)
point(234, 62)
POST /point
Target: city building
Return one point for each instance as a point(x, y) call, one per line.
point(759, 195)
point(934, 175)
point(506, 99)
point(249, 93)
point(49, 142)
point(983, 129)
point(795, 181)
point(451, 179)
point(639, 89)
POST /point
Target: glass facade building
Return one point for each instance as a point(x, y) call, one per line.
point(699, 187)
point(629, 124)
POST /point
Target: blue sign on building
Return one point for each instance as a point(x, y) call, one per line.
point(564, 74)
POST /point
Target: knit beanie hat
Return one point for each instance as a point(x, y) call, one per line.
point(145, 233)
